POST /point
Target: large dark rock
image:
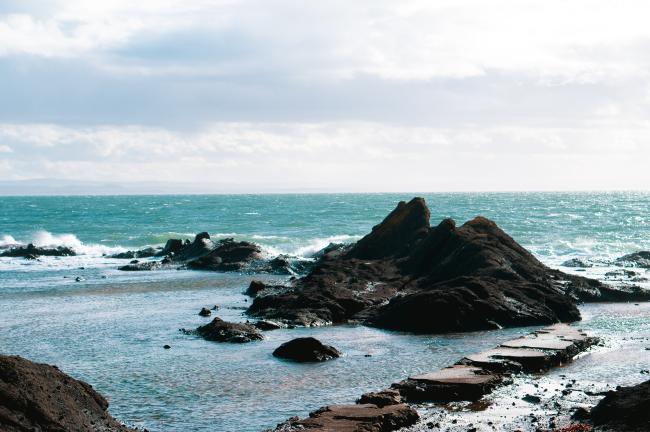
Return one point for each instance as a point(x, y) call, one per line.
point(222, 331)
point(30, 251)
point(39, 397)
point(307, 349)
point(626, 409)
point(406, 275)
point(201, 246)
point(228, 255)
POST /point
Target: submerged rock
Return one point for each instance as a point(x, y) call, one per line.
point(307, 349)
point(407, 275)
point(626, 409)
point(222, 331)
point(35, 396)
point(31, 252)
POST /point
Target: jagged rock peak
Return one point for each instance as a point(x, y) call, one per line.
point(397, 233)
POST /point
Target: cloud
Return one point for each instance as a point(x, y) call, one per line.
point(335, 156)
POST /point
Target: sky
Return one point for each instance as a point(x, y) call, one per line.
point(365, 95)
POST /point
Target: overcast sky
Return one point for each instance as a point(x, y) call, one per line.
point(409, 95)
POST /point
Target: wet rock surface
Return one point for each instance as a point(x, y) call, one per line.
point(31, 252)
point(406, 275)
point(307, 349)
point(36, 396)
point(637, 259)
point(354, 418)
point(625, 409)
point(227, 255)
point(142, 253)
point(219, 330)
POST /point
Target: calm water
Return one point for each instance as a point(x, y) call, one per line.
point(109, 329)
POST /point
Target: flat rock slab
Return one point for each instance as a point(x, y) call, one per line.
point(458, 382)
point(559, 337)
point(512, 360)
point(354, 418)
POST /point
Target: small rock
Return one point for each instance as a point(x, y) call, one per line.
point(205, 312)
point(166, 347)
point(531, 399)
point(306, 349)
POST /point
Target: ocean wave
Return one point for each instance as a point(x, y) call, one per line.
point(317, 244)
point(47, 239)
point(7, 241)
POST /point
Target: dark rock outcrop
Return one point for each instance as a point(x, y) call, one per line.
point(142, 253)
point(228, 255)
point(31, 251)
point(205, 312)
point(36, 396)
point(307, 349)
point(254, 288)
point(407, 275)
point(381, 398)
point(222, 331)
point(626, 409)
point(636, 259)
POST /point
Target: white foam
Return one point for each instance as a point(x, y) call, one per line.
point(7, 240)
point(317, 244)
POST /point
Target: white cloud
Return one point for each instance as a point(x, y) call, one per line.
point(337, 156)
point(556, 41)
point(5, 149)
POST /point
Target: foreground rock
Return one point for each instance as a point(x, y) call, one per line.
point(307, 349)
point(31, 251)
point(39, 397)
point(222, 331)
point(354, 418)
point(407, 275)
point(626, 409)
point(470, 379)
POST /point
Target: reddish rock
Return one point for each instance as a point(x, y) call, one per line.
point(39, 397)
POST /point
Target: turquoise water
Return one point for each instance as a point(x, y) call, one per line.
point(109, 329)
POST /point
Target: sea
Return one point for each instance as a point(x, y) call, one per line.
point(108, 327)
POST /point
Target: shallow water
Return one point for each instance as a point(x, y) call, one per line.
point(110, 328)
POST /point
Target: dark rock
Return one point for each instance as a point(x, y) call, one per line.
point(79, 279)
point(200, 247)
point(307, 349)
point(36, 396)
point(266, 325)
point(381, 398)
point(531, 399)
point(627, 408)
point(254, 288)
point(171, 247)
point(576, 263)
point(228, 255)
point(205, 312)
point(222, 331)
point(143, 266)
point(406, 275)
point(166, 346)
point(636, 259)
point(32, 251)
point(31, 257)
point(354, 418)
point(135, 261)
point(143, 253)
point(581, 414)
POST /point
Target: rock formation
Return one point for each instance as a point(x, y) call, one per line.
point(626, 409)
point(40, 397)
point(407, 275)
point(307, 349)
point(31, 251)
point(219, 330)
